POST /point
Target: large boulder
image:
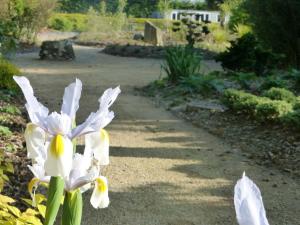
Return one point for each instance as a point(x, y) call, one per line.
point(153, 34)
point(62, 49)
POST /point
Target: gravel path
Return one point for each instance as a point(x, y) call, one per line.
point(163, 170)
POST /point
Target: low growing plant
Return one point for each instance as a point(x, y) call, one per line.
point(281, 94)
point(273, 110)
point(181, 62)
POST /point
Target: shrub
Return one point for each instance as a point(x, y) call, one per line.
point(61, 24)
point(292, 119)
point(68, 22)
point(7, 71)
point(181, 62)
point(273, 110)
point(280, 94)
point(247, 55)
point(242, 101)
point(273, 81)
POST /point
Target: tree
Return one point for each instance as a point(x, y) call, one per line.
point(214, 4)
point(121, 6)
point(102, 7)
point(163, 6)
point(276, 24)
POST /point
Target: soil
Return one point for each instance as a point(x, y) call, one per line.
point(163, 170)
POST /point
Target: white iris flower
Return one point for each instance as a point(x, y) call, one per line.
point(248, 203)
point(49, 141)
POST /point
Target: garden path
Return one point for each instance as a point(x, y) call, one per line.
point(163, 170)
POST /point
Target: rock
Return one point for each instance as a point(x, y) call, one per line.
point(138, 37)
point(153, 34)
point(62, 49)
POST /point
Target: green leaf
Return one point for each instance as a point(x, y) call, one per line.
point(55, 194)
point(72, 208)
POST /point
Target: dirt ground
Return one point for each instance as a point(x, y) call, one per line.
point(163, 171)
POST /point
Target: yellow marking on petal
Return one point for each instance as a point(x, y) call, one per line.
point(104, 135)
point(101, 185)
point(30, 127)
point(32, 183)
point(57, 146)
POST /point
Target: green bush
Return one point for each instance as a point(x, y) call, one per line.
point(292, 119)
point(273, 81)
point(7, 71)
point(241, 101)
point(68, 22)
point(247, 55)
point(280, 94)
point(273, 110)
point(61, 24)
point(181, 62)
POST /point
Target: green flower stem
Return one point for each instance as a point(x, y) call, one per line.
point(55, 195)
point(72, 209)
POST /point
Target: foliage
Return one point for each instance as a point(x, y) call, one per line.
point(276, 24)
point(237, 12)
point(68, 22)
point(141, 9)
point(102, 8)
point(262, 108)
point(76, 6)
point(61, 24)
point(5, 131)
point(139, 23)
point(273, 81)
point(280, 94)
point(203, 84)
point(247, 55)
point(21, 20)
point(241, 29)
point(194, 31)
point(273, 110)
point(11, 109)
point(292, 119)
point(7, 71)
point(181, 62)
point(195, 5)
point(10, 214)
point(241, 101)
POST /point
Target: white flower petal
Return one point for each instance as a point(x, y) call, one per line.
point(101, 118)
point(109, 97)
point(248, 203)
point(58, 124)
point(99, 198)
point(39, 172)
point(37, 112)
point(97, 143)
point(59, 157)
point(71, 99)
point(35, 141)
